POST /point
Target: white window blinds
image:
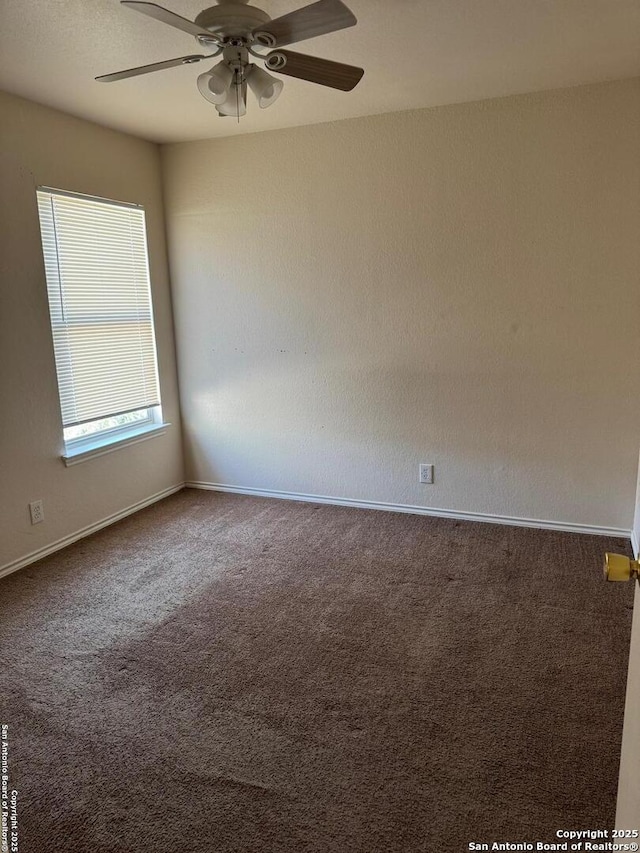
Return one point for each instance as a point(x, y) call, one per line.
point(95, 256)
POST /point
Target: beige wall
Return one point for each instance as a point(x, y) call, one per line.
point(41, 146)
point(456, 285)
point(628, 813)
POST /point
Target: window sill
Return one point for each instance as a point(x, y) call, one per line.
point(88, 450)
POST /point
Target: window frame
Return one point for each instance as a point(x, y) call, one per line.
point(87, 446)
point(111, 438)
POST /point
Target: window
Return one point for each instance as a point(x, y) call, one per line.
point(95, 256)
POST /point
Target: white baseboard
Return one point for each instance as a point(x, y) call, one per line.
point(85, 531)
point(537, 523)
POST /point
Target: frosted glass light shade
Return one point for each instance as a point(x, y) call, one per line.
point(214, 85)
point(229, 107)
point(265, 87)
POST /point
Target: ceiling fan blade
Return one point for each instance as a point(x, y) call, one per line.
point(325, 16)
point(315, 70)
point(146, 69)
point(152, 10)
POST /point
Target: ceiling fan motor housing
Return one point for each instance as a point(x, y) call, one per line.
point(232, 19)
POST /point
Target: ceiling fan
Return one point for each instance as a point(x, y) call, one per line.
point(237, 31)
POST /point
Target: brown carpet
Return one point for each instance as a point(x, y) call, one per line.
point(226, 674)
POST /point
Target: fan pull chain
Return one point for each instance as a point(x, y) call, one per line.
point(238, 94)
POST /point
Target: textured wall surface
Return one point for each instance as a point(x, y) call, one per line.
point(457, 285)
point(42, 146)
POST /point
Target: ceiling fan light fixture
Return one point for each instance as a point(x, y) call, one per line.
point(235, 104)
point(266, 88)
point(236, 29)
point(214, 85)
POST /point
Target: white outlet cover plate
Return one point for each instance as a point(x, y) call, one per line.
point(426, 473)
point(36, 510)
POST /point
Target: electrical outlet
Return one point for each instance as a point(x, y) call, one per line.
point(426, 473)
point(36, 508)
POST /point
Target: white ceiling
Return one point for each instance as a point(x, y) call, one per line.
point(416, 53)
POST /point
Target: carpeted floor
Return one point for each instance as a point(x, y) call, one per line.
point(227, 674)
